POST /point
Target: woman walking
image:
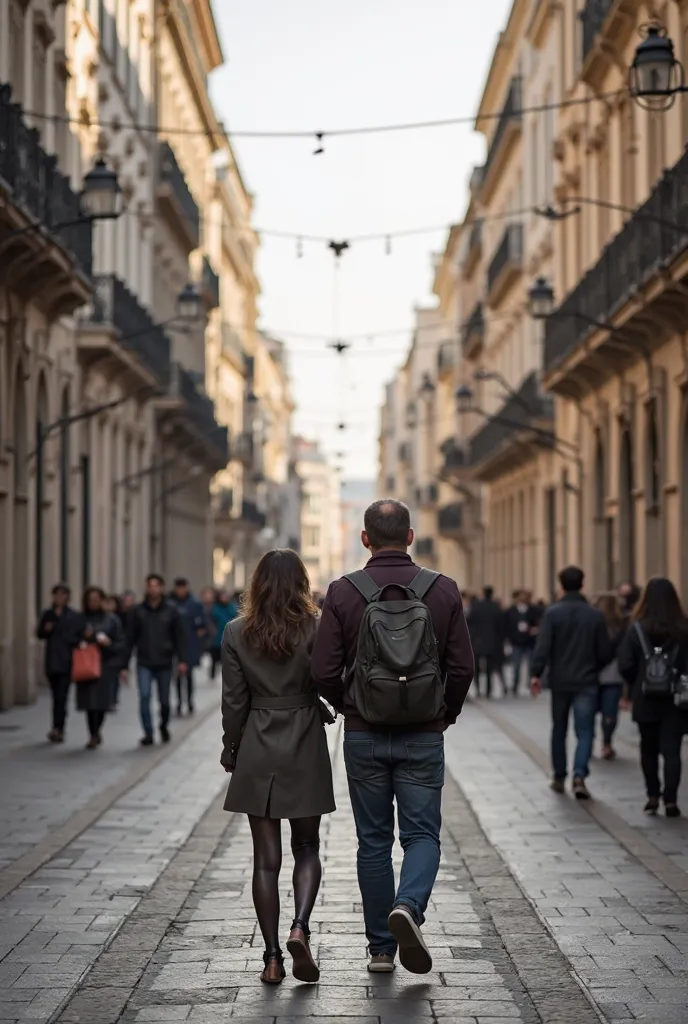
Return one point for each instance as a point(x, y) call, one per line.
point(611, 681)
point(275, 746)
point(652, 656)
point(103, 628)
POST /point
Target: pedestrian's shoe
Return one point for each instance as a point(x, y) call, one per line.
point(580, 790)
point(672, 811)
point(147, 740)
point(557, 785)
point(381, 963)
point(608, 752)
point(93, 743)
point(273, 972)
point(304, 966)
point(413, 953)
point(164, 734)
point(55, 736)
point(652, 805)
point(191, 708)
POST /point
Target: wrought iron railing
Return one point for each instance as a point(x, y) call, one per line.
point(250, 513)
point(200, 410)
point(171, 173)
point(641, 247)
point(511, 113)
point(518, 412)
point(37, 185)
point(592, 17)
point(509, 251)
point(114, 304)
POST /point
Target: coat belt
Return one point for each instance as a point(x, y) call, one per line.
point(299, 700)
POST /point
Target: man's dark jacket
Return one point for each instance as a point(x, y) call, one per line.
point(157, 634)
point(334, 652)
point(486, 623)
point(574, 642)
point(518, 625)
point(60, 640)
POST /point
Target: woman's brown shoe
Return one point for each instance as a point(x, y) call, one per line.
point(273, 972)
point(305, 967)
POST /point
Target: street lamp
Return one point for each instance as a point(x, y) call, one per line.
point(411, 415)
point(464, 398)
point(541, 299)
point(655, 76)
point(189, 303)
point(101, 196)
point(427, 387)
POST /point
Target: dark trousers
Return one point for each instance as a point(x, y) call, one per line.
point(95, 721)
point(584, 705)
point(491, 666)
point(663, 738)
point(59, 684)
point(216, 659)
point(185, 684)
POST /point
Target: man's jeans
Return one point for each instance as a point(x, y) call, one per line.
point(382, 767)
point(520, 656)
point(585, 703)
point(163, 679)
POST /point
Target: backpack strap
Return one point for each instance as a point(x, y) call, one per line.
point(421, 582)
point(640, 633)
point(364, 585)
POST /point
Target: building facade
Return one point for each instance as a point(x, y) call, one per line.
point(321, 519)
point(117, 400)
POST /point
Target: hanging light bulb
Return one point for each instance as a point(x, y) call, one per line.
point(319, 148)
point(299, 248)
point(388, 245)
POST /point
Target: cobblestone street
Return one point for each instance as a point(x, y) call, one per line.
point(544, 911)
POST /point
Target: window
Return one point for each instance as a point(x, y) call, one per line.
point(39, 97)
point(312, 503)
point(16, 49)
point(311, 536)
point(61, 129)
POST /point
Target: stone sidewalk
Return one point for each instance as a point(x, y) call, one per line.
point(622, 928)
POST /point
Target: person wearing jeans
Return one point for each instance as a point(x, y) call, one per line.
point(574, 646)
point(388, 765)
point(157, 635)
point(382, 768)
point(60, 627)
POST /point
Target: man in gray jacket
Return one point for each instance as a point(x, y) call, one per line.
point(574, 644)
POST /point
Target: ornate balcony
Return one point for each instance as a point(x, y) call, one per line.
point(641, 251)
point(49, 265)
point(507, 131)
point(473, 333)
point(508, 439)
point(404, 452)
point(210, 285)
point(450, 520)
point(117, 331)
point(251, 514)
point(198, 417)
point(176, 200)
point(455, 460)
point(506, 264)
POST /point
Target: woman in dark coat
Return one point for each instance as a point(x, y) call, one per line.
point(100, 627)
point(275, 746)
point(662, 621)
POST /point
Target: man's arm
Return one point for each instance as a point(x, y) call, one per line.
point(459, 664)
point(46, 625)
point(133, 631)
point(543, 646)
point(328, 660)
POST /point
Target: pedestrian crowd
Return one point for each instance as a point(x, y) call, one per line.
point(161, 641)
point(392, 650)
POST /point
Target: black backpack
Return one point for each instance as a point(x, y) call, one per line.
point(396, 675)
point(659, 671)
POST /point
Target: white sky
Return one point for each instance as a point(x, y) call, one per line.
point(319, 64)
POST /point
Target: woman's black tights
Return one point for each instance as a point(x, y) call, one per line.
point(95, 721)
point(267, 861)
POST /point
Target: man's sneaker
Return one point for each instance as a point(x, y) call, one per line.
point(580, 790)
point(147, 740)
point(413, 953)
point(164, 734)
point(381, 963)
point(557, 785)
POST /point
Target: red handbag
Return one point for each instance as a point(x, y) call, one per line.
point(87, 664)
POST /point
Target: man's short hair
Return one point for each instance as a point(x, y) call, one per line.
point(387, 523)
point(181, 581)
point(61, 588)
point(488, 592)
point(571, 579)
point(155, 576)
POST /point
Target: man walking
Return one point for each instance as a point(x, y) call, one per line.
point(195, 632)
point(60, 627)
point(157, 636)
point(422, 613)
point(486, 625)
point(574, 644)
point(521, 621)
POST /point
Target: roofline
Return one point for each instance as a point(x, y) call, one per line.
point(503, 47)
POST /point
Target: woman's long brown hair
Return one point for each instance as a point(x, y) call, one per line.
point(608, 603)
point(278, 608)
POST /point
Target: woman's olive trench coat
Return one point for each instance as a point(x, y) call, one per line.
point(274, 729)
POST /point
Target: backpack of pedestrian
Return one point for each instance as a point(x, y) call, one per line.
point(610, 679)
point(59, 627)
point(275, 747)
point(394, 726)
point(653, 659)
point(573, 644)
point(103, 630)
